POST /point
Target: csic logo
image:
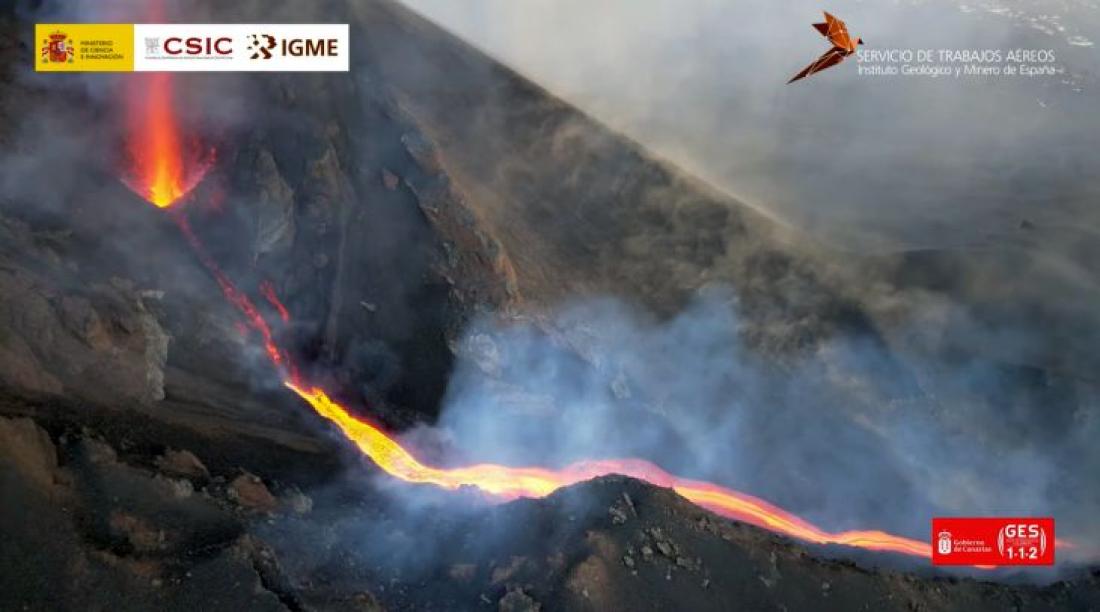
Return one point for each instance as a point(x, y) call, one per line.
point(199, 46)
point(266, 46)
point(57, 49)
point(188, 47)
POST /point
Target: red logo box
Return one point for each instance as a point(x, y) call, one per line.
point(993, 541)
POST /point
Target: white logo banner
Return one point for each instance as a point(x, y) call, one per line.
point(238, 47)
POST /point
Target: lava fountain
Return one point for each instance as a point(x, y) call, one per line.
point(162, 167)
point(163, 172)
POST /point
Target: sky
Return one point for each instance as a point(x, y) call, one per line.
point(867, 163)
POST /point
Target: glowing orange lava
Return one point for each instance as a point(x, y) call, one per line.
point(240, 300)
point(512, 482)
point(162, 174)
point(268, 291)
point(507, 483)
point(161, 169)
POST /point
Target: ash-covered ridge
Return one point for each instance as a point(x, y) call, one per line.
point(162, 467)
point(134, 529)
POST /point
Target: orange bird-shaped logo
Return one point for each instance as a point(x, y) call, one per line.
point(843, 46)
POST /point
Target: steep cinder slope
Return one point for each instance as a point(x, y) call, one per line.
point(580, 210)
point(387, 208)
point(89, 525)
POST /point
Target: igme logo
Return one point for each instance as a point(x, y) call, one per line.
point(261, 45)
point(266, 46)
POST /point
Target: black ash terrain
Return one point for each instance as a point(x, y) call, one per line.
point(411, 216)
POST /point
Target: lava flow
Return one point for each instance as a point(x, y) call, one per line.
point(160, 175)
point(511, 482)
point(268, 291)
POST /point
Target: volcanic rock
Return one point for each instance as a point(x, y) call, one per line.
point(178, 488)
point(95, 451)
point(389, 180)
point(142, 536)
point(462, 572)
point(57, 334)
point(182, 463)
point(274, 205)
point(518, 601)
point(423, 151)
point(298, 502)
point(251, 494)
point(99, 521)
point(156, 353)
point(505, 572)
point(26, 450)
point(547, 206)
point(618, 517)
point(567, 552)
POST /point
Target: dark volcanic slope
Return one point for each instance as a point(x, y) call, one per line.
point(618, 544)
point(387, 208)
point(100, 529)
point(577, 208)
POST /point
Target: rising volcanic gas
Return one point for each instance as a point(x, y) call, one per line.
point(163, 172)
point(577, 307)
